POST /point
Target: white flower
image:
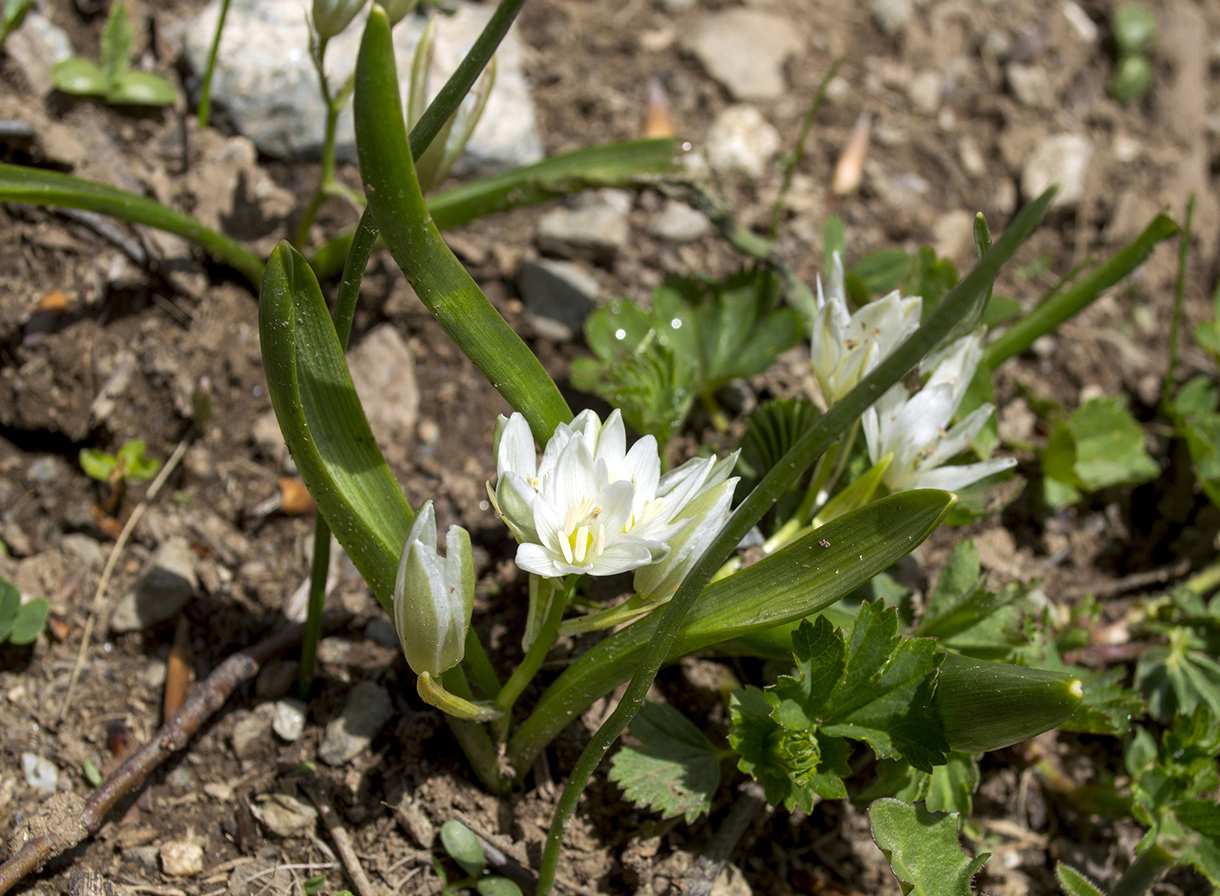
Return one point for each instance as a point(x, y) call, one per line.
point(330, 17)
point(846, 347)
point(590, 505)
point(433, 597)
point(912, 428)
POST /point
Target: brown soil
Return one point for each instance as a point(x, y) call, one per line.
point(181, 319)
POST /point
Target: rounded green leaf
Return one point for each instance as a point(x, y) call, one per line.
point(1134, 27)
point(30, 621)
point(141, 89)
point(497, 886)
point(79, 77)
point(97, 464)
point(464, 847)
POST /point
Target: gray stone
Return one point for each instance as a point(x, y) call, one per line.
point(40, 772)
point(593, 227)
point(1060, 159)
point(46, 469)
point(252, 731)
point(677, 222)
point(925, 91)
point(745, 51)
point(265, 80)
point(891, 16)
point(381, 631)
point(368, 707)
point(285, 815)
point(383, 370)
point(82, 547)
point(1028, 84)
point(560, 292)
point(741, 143)
point(289, 719)
point(165, 585)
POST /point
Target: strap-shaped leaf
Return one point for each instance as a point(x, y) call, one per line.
point(324, 423)
point(411, 236)
point(21, 184)
point(804, 577)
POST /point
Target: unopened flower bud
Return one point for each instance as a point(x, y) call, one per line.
point(331, 17)
point(434, 596)
point(396, 10)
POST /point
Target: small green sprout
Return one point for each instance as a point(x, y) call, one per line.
point(129, 463)
point(463, 847)
point(20, 623)
point(1134, 31)
point(11, 16)
point(91, 773)
point(113, 80)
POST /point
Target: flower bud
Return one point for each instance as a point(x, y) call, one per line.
point(330, 17)
point(396, 10)
point(434, 596)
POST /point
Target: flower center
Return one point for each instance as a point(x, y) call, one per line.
point(584, 535)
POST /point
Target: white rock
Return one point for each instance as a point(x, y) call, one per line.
point(1028, 84)
point(1084, 26)
point(289, 719)
point(265, 79)
point(181, 859)
point(891, 16)
point(40, 772)
point(925, 91)
point(742, 143)
point(1060, 159)
point(745, 51)
point(677, 222)
point(593, 227)
point(285, 815)
point(953, 236)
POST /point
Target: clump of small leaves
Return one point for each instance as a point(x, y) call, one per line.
point(129, 464)
point(464, 848)
point(1134, 31)
point(113, 80)
point(20, 623)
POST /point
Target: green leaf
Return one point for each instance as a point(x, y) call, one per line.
point(882, 271)
point(821, 657)
point(21, 184)
point(30, 621)
point(134, 464)
point(1180, 769)
point(950, 786)
point(97, 464)
point(1194, 412)
point(1107, 707)
point(930, 278)
point(402, 218)
point(79, 77)
point(10, 606)
point(324, 425)
point(1099, 446)
point(463, 847)
point(806, 576)
point(964, 616)
point(141, 89)
point(653, 388)
point(834, 239)
point(674, 770)
point(116, 42)
point(1073, 883)
point(922, 849)
point(1060, 306)
point(497, 886)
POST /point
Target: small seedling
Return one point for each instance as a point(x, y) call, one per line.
point(20, 623)
point(1134, 31)
point(118, 469)
point(464, 848)
point(113, 80)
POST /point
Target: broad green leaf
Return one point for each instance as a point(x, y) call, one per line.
point(1194, 412)
point(821, 657)
point(674, 769)
point(21, 184)
point(134, 463)
point(950, 786)
point(324, 424)
point(1062, 305)
point(402, 218)
point(922, 849)
point(141, 89)
point(1110, 445)
point(116, 42)
point(79, 77)
point(964, 616)
point(1073, 883)
point(463, 847)
point(497, 886)
point(97, 464)
point(834, 239)
point(808, 575)
point(882, 271)
point(30, 621)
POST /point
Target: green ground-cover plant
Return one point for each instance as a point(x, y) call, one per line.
point(112, 78)
point(20, 623)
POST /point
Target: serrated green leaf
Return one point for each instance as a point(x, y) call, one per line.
point(922, 849)
point(1073, 883)
point(1107, 707)
point(884, 694)
point(674, 770)
point(951, 786)
point(30, 621)
point(821, 657)
point(138, 88)
point(463, 847)
point(116, 42)
point(79, 77)
point(1201, 815)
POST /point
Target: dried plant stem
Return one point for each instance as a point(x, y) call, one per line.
point(99, 596)
point(343, 842)
point(173, 736)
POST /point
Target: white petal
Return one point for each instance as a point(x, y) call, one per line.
point(953, 478)
point(616, 503)
point(611, 443)
point(958, 437)
point(533, 558)
point(573, 478)
point(517, 454)
point(622, 556)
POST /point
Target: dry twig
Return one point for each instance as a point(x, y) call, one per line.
point(50, 835)
point(342, 840)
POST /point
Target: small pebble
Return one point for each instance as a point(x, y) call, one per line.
point(289, 719)
point(40, 773)
point(181, 859)
point(368, 707)
point(284, 815)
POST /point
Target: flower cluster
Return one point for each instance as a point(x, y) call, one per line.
point(912, 428)
point(590, 505)
point(846, 347)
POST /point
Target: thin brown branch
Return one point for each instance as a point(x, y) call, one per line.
point(343, 842)
point(54, 835)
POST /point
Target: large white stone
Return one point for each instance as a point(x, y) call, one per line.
point(265, 81)
point(1061, 159)
point(745, 50)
